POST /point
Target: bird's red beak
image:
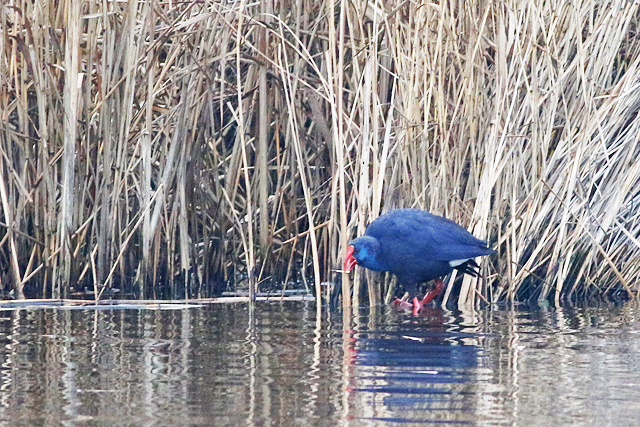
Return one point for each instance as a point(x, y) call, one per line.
point(349, 260)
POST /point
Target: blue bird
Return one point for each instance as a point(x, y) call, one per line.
point(417, 247)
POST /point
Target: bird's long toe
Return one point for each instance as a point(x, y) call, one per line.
point(398, 303)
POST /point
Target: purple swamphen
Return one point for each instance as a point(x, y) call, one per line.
point(416, 246)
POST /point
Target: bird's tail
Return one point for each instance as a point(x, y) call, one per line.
point(470, 267)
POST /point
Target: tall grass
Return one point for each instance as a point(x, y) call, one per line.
point(179, 148)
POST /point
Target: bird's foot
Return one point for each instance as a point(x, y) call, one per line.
point(398, 303)
point(429, 296)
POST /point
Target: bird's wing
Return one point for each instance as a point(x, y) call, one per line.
point(420, 236)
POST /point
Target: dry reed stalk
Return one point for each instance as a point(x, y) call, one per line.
point(70, 97)
point(8, 216)
point(334, 59)
point(263, 143)
point(289, 91)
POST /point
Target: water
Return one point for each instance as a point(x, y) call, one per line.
point(279, 365)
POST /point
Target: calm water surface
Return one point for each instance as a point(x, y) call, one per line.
point(280, 364)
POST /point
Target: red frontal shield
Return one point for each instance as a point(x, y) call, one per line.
point(349, 260)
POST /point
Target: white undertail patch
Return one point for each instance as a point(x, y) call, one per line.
point(457, 262)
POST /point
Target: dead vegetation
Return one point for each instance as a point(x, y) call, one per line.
point(163, 145)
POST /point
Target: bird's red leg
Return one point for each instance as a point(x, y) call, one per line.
point(417, 304)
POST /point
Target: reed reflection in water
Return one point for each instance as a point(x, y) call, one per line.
point(280, 364)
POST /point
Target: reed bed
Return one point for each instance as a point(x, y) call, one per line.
point(178, 149)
